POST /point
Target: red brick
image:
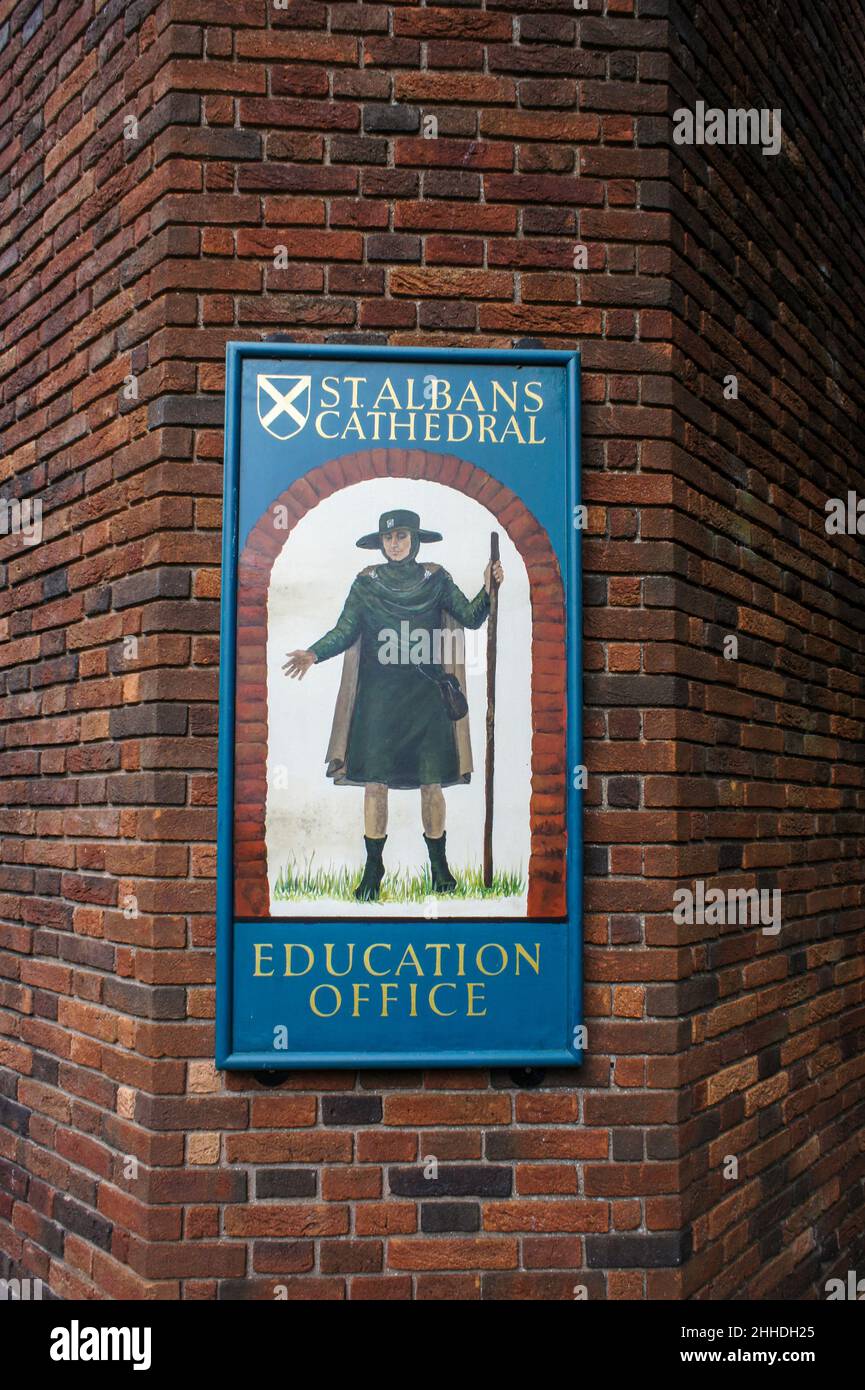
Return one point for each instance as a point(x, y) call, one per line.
point(705, 517)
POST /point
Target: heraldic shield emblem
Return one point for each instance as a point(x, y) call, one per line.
point(399, 810)
point(283, 404)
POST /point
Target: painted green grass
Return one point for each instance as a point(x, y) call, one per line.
point(398, 886)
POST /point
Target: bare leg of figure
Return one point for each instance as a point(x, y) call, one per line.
point(374, 836)
point(432, 810)
point(375, 810)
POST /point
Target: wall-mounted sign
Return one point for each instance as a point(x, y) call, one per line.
point(399, 878)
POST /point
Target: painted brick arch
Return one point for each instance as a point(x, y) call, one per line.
point(546, 887)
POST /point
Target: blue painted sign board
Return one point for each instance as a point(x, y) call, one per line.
point(399, 818)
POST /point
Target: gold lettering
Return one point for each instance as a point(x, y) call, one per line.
point(532, 439)
point(328, 958)
point(470, 990)
point(387, 393)
point(521, 951)
point(356, 988)
point(438, 947)
point(412, 994)
point(376, 946)
point(385, 997)
point(432, 1001)
point(337, 1001)
point(458, 438)
point(355, 381)
point(354, 426)
point(396, 424)
point(534, 395)
point(486, 426)
point(511, 428)
point(499, 390)
point(299, 945)
point(470, 392)
point(258, 947)
point(318, 429)
point(409, 955)
point(492, 946)
point(334, 390)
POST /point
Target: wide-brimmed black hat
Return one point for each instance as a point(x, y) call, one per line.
point(392, 521)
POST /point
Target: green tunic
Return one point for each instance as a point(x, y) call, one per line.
point(400, 733)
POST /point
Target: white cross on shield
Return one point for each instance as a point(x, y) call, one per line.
point(279, 405)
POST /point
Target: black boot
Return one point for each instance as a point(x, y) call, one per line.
point(367, 890)
point(443, 880)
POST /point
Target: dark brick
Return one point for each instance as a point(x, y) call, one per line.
point(351, 1110)
point(627, 1145)
point(143, 721)
point(14, 1117)
point(638, 1251)
point(145, 1001)
point(176, 108)
point(286, 1182)
point(283, 1256)
point(355, 149)
point(185, 410)
point(404, 119)
point(150, 584)
point(89, 1225)
point(439, 1217)
point(98, 601)
point(390, 246)
point(453, 1180)
point(55, 584)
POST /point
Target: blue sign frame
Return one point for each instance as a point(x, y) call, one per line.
point(563, 1014)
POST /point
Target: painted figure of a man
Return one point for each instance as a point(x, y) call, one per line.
point(401, 718)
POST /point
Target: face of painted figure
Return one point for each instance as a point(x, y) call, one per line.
point(396, 544)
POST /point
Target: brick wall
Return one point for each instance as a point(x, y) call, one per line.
point(768, 265)
point(128, 263)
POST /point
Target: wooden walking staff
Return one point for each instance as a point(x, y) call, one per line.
point(492, 641)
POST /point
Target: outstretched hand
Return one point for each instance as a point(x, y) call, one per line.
point(497, 573)
point(298, 664)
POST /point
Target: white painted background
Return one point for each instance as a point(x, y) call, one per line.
point(309, 582)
